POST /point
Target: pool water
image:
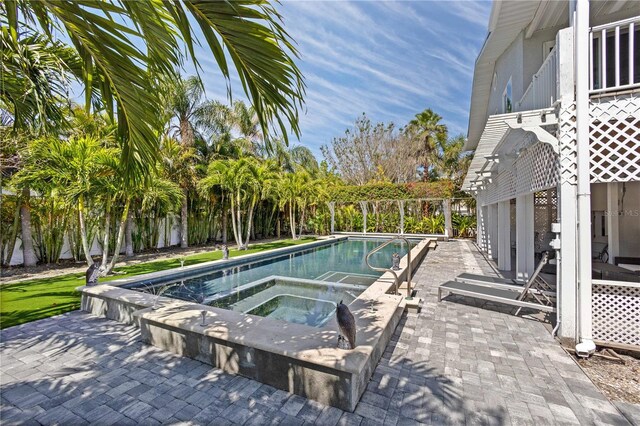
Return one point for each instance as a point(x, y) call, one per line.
point(301, 310)
point(301, 287)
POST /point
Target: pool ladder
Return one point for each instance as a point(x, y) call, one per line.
point(397, 279)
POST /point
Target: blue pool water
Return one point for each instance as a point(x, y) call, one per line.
point(300, 287)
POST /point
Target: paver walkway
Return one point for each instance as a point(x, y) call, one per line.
point(452, 363)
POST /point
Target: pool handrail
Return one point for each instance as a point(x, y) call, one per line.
point(397, 279)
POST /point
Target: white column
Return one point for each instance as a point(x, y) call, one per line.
point(448, 226)
point(567, 280)
point(479, 223)
point(524, 236)
point(581, 45)
point(483, 223)
point(363, 206)
point(504, 235)
point(567, 192)
point(613, 233)
point(401, 210)
point(492, 240)
point(332, 209)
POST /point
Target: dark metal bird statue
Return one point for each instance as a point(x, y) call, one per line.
point(347, 324)
point(91, 277)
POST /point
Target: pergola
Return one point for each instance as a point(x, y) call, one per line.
point(442, 190)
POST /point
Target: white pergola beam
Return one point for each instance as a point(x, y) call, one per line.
point(534, 123)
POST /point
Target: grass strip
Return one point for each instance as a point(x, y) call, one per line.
point(45, 297)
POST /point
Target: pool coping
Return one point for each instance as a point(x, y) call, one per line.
point(238, 342)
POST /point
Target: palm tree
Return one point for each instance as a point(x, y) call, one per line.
point(247, 124)
point(235, 179)
point(34, 74)
point(77, 165)
point(291, 193)
point(312, 193)
point(179, 165)
point(155, 200)
point(289, 158)
point(243, 34)
point(429, 133)
point(184, 103)
point(259, 183)
point(45, 170)
point(452, 161)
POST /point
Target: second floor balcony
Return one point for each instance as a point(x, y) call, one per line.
point(614, 62)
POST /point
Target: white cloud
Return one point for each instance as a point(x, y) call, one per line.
point(388, 59)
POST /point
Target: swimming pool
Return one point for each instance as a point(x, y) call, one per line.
point(286, 336)
point(301, 287)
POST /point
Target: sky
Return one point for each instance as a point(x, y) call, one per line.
point(388, 59)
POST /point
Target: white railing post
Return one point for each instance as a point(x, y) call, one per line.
point(598, 69)
point(603, 59)
point(591, 60)
point(542, 92)
point(631, 52)
point(617, 50)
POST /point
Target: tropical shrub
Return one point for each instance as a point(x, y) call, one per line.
point(388, 191)
point(464, 225)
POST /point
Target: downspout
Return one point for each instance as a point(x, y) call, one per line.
point(580, 13)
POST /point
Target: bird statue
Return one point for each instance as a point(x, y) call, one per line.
point(91, 277)
point(347, 324)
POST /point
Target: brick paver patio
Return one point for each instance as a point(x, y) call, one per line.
point(452, 363)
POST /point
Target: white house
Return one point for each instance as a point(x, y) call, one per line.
point(555, 124)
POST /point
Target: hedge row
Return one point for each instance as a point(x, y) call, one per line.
point(389, 191)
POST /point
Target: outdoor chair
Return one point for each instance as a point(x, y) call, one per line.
point(501, 282)
point(535, 293)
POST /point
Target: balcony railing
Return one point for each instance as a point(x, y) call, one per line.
point(542, 91)
point(615, 56)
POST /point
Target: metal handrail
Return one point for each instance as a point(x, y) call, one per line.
point(397, 279)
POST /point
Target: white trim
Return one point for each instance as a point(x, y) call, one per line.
point(616, 283)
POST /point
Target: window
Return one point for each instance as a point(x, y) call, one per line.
point(507, 98)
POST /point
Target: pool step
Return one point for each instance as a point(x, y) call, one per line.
point(411, 305)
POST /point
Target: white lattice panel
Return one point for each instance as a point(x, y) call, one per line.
point(545, 204)
point(567, 143)
point(506, 187)
point(616, 313)
point(501, 189)
point(536, 169)
point(615, 140)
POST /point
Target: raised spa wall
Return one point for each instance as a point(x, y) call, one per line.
point(296, 358)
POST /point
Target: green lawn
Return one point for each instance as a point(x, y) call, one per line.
point(44, 297)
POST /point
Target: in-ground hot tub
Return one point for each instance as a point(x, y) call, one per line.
point(297, 309)
point(270, 316)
